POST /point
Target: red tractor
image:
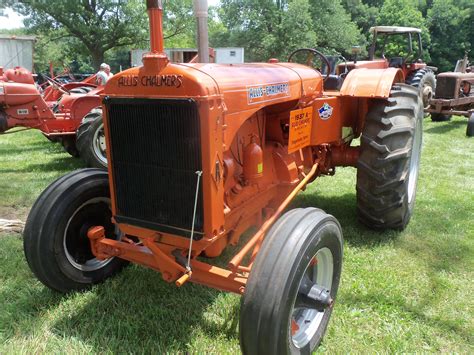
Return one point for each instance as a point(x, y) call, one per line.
point(401, 48)
point(67, 113)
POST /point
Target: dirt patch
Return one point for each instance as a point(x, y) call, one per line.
point(11, 213)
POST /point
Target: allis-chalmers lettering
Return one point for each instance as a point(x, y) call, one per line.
point(171, 80)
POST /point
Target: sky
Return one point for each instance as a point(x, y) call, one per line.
point(11, 20)
point(14, 20)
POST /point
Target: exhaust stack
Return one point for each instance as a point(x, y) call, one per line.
point(200, 11)
point(156, 59)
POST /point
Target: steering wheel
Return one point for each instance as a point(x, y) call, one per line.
point(57, 84)
point(311, 52)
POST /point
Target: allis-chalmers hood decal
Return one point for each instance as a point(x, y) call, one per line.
point(170, 80)
point(267, 92)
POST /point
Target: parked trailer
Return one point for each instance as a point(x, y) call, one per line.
point(17, 51)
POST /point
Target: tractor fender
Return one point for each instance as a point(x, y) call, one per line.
point(79, 105)
point(372, 83)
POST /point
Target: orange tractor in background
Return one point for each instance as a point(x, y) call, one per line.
point(67, 113)
point(200, 153)
point(401, 48)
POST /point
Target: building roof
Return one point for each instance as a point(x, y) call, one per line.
point(394, 29)
point(21, 37)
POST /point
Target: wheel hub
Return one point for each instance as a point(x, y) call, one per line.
point(99, 144)
point(313, 299)
point(76, 244)
point(427, 95)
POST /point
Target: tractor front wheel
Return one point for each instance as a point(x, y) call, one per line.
point(292, 286)
point(440, 117)
point(425, 81)
point(56, 245)
point(470, 126)
point(390, 150)
point(91, 140)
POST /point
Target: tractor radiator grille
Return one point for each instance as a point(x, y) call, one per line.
point(445, 88)
point(156, 151)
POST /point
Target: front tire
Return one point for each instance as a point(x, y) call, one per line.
point(300, 257)
point(90, 139)
point(470, 126)
point(425, 81)
point(56, 245)
point(440, 117)
point(387, 170)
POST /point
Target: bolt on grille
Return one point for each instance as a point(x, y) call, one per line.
point(156, 151)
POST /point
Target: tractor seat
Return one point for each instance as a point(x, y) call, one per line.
point(333, 82)
point(396, 62)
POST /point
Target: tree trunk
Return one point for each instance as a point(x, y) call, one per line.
point(97, 59)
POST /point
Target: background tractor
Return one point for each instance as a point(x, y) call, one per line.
point(199, 153)
point(67, 113)
point(398, 47)
point(455, 95)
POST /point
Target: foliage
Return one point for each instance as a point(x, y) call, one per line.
point(364, 15)
point(334, 27)
point(269, 28)
point(448, 21)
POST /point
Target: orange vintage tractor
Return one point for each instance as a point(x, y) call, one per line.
point(68, 113)
point(199, 153)
point(399, 47)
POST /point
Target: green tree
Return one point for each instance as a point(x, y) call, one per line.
point(101, 25)
point(333, 25)
point(364, 15)
point(451, 32)
point(268, 28)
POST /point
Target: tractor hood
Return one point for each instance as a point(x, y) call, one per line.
point(244, 85)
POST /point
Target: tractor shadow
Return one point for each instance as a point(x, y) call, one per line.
point(343, 207)
point(139, 312)
point(445, 127)
point(62, 163)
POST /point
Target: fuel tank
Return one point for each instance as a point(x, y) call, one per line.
point(17, 75)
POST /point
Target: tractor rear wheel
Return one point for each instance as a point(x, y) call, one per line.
point(91, 140)
point(425, 81)
point(293, 283)
point(470, 126)
point(440, 117)
point(387, 170)
point(56, 245)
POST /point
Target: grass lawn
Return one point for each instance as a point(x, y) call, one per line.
point(400, 292)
